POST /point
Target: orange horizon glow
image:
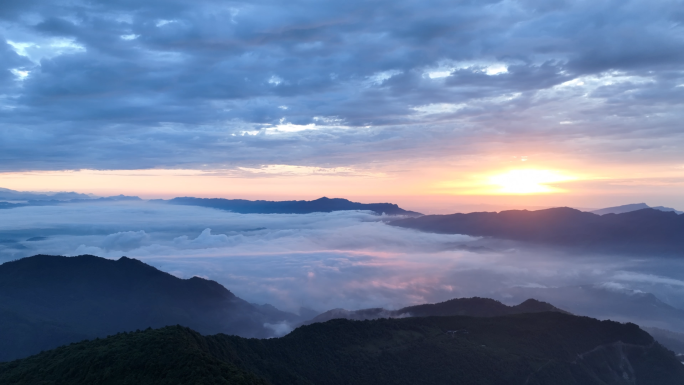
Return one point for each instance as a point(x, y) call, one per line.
point(529, 181)
point(291, 180)
point(428, 189)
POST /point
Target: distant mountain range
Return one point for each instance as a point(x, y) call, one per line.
point(547, 348)
point(645, 231)
point(10, 199)
point(633, 207)
point(13, 195)
point(472, 307)
point(324, 205)
point(47, 301)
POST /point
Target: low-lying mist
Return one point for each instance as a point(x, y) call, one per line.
point(344, 259)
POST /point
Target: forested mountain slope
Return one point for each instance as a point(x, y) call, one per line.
point(541, 348)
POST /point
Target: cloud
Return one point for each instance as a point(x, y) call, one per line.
point(204, 241)
point(630, 276)
point(321, 261)
point(279, 329)
point(124, 240)
point(175, 84)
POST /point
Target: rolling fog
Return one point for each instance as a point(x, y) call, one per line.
point(321, 261)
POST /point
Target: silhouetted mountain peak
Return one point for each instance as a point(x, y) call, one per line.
point(534, 306)
point(66, 299)
point(478, 307)
point(323, 204)
point(472, 307)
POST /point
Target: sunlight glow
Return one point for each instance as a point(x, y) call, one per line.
point(528, 181)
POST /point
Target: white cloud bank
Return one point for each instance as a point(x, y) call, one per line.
point(322, 261)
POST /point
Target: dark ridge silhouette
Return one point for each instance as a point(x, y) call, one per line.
point(598, 301)
point(472, 307)
point(641, 231)
point(477, 307)
point(324, 205)
point(548, 348)
point(46, 301)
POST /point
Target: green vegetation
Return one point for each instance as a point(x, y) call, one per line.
point(171, 355)
point(542, 348)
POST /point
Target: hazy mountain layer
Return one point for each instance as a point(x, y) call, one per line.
point(642, 231)
point(542, 348)
point(472, 307)
point(46, 301)
point(13, 195)
point(41, 199)
point(325, 205)
point(632, 207)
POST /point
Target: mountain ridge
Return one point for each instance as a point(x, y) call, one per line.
point(88, 296)
point(534, 348)
point(324, 204)
point(634, 232)
point(471, 307)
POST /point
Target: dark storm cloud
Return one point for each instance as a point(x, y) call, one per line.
point(136, 84)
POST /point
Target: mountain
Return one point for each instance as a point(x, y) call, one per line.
point(669, 339)
point(12, 195)
point(664, 322)
point(607, 302)
point(10, 199)
point(536, 349)
point(632, 207)
point(667, 209)
point(472, 307)
point(477, 307)
point(324, 205)
point(113, 198)
point(8, 205)
point(642, 231)
point(621, 209)
point(47, 301)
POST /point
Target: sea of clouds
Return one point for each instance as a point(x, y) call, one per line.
point(345, 259)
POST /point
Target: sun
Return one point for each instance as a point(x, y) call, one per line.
point(528, 181)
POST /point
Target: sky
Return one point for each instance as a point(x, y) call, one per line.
point(435, 105)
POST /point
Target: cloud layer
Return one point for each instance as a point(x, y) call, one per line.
point(137, 84)
point(321, 261)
